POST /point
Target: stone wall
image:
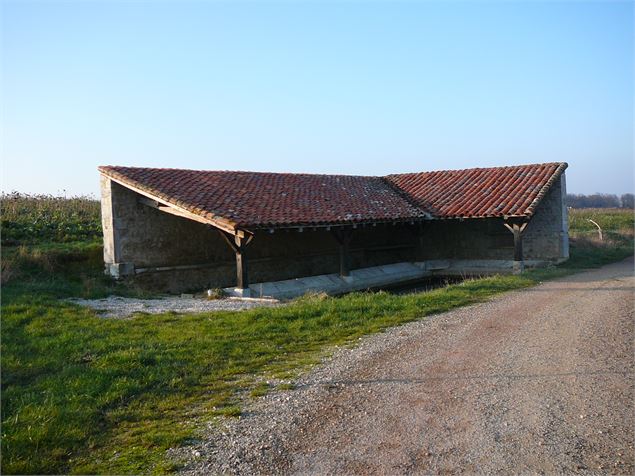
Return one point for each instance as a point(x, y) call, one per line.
point(138, 239)
point(139, 235)
point(547, 235)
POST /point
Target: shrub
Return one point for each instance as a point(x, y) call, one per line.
point(30, 219)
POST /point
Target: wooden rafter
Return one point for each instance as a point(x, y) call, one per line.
point(164, 206)
point(172, 211)
point(517, 227)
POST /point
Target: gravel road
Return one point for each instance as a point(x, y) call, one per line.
point(540, 380)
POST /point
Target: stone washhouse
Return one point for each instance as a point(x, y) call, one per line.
point(281, 235)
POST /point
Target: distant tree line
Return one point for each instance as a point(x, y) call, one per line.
point(600, 200)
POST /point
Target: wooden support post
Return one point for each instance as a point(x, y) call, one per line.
point(343, 237)
point(238, 245)
point(517, 228)
point(242, 277)
point(420, 242)
point(518, 244)
point(345, 262)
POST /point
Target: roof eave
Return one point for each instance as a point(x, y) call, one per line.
point(334, 224)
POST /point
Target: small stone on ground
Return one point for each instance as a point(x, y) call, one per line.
point(121, 307)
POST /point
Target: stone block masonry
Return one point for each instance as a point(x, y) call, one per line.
point(547, 235)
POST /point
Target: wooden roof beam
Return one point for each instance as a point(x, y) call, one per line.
point(155, 202)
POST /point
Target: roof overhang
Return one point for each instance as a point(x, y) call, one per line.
point(160, 204)
point(545, 188)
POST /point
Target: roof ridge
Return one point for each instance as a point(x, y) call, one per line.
point(406, 196)
point(331, 175)
point(469, 169)
point(177, 169)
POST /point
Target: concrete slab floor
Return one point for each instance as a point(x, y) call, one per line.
point(377, 277)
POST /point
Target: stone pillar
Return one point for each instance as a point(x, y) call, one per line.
point(111, 226)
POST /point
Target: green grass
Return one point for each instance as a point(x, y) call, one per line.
point(588, 251)
point(78, 388)
point(610, 219)
point(82, 394)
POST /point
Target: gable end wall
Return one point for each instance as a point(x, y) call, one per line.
point(547, 235)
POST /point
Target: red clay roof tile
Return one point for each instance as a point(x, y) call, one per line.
point(478, 193)
point(257, 199)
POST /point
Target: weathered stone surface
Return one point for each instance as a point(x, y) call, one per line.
point(547, 235)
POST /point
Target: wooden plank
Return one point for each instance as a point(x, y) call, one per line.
point(420, 250)
point(242, 276)
point(229, 241)
point(242, 279)
point(188, 216)
point(149, 202)
point(175, 268)
point(345, 260)
point(518, 244)
point(217, 222)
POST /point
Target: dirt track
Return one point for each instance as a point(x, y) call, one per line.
point(540, 380)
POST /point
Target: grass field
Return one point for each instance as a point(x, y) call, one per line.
point(587, 250)
point(83, 394)
point(29, 219)
point(610, 219)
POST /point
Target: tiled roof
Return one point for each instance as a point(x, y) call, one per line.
point(258, 200)
point(476, 193)
point(255, 199)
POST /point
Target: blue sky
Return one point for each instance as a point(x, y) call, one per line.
point(364, 88)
